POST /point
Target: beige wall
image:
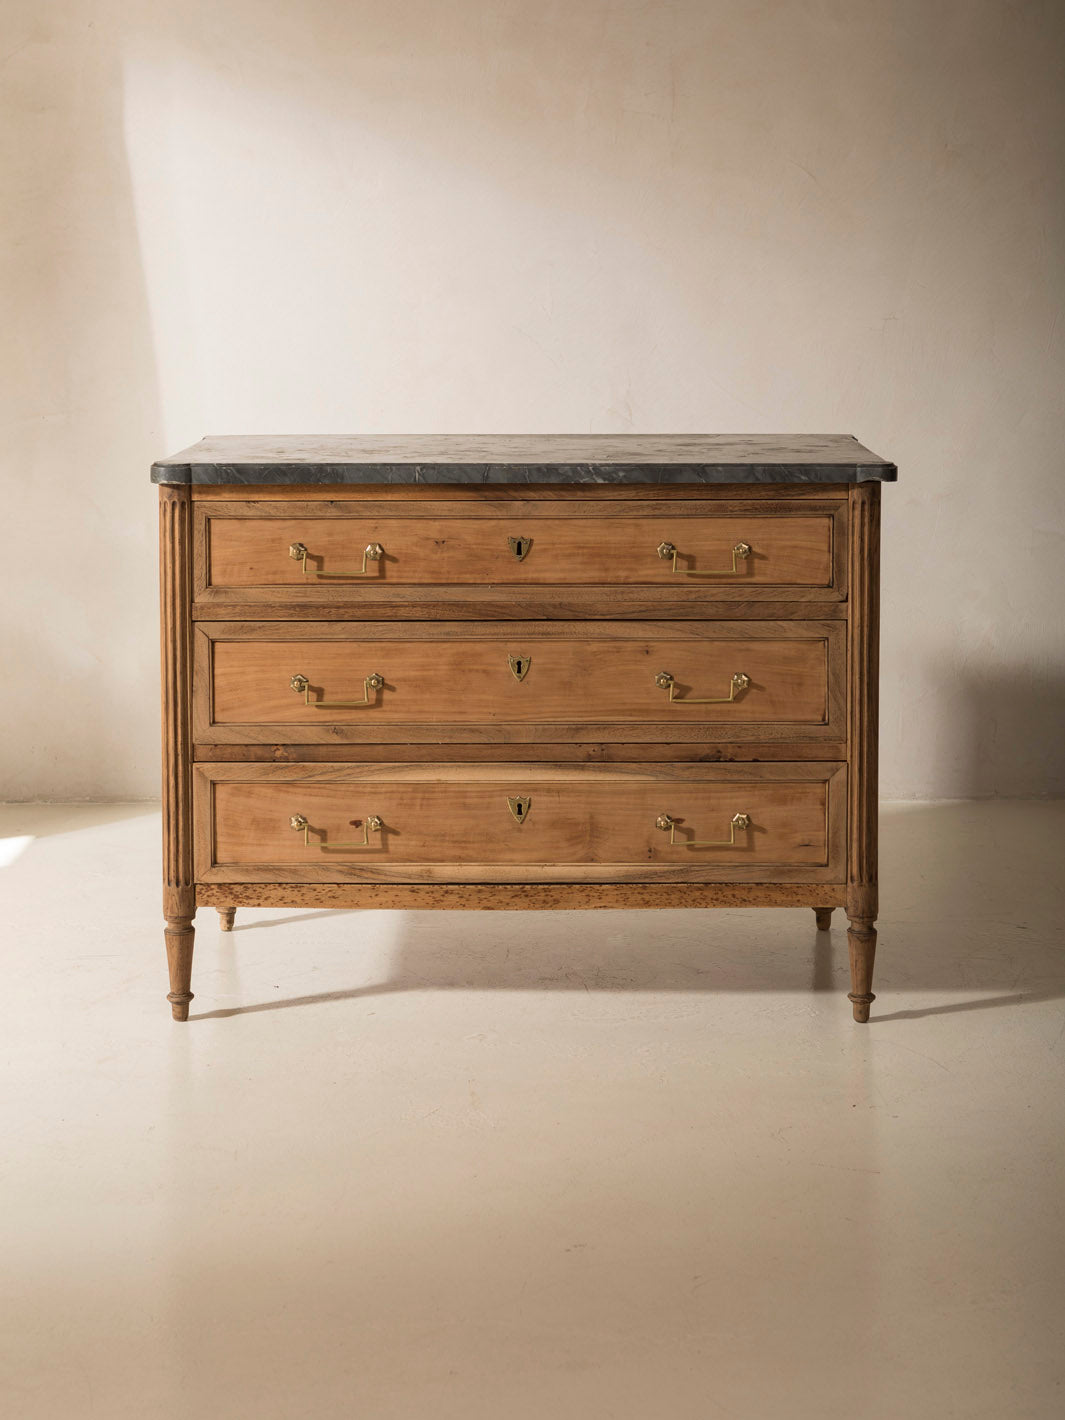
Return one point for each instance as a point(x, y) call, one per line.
point(467, 215)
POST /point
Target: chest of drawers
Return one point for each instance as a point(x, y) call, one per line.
point(520, 673)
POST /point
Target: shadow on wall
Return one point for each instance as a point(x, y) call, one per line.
point(79, 377)
point(1011, 735)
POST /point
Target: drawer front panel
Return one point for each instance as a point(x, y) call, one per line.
point(333, 683)
point(520, 823)
point(306, 554)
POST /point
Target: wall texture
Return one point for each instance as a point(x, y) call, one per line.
point(528, 215)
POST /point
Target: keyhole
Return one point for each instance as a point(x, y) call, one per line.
point(519, 666)
point(519, 810)
point(519, 548)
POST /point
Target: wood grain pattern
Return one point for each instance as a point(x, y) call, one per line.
point(175, 597)
point(457, 679)
point(548, 751)
point(373, 598)
point(179, 935)
point(254, 552)
point(619, 494)
point(519, 897)
point(764, 628)
point(861, 942)
point(394, 771)
point(568, 824)
point(429, 604)
point(495, 508)
point(452, 823)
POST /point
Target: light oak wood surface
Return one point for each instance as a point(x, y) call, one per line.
point(485, 494)
point(254, 552)
point(455, 822)
point(429, 604)
point(592, 614)
point(542, 749)
point(524, 678)
point(519, 897)
point(566, 823)
point(381, 597)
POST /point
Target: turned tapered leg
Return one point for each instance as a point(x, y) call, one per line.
point(180, 936)
point(824, 918)
point(861, 939)
point(226, 917)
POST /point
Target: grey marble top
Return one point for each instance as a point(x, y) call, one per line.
point(525, 458)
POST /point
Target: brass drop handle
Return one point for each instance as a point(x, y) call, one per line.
point(302, 686)
point(740, 553)
point(372, 825)
point(665, 681)
point(372, 553)
point(669, 825)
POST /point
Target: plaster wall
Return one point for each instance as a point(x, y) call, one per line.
point(500, 215)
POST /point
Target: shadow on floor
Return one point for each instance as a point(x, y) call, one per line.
point(971, 901)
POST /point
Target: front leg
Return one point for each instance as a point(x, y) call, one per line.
point(861, 939)
point(180, 936)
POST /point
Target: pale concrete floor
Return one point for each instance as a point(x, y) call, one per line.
point(535, 1166)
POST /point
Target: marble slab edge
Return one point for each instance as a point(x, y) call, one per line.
point(386, 473)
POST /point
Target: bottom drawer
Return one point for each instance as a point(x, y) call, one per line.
point(466, 823)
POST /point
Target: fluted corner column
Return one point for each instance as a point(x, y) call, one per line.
point(863, 717)
point(175, 586)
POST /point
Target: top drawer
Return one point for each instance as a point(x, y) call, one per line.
point(325, 550)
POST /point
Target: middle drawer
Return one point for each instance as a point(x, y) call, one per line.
point(381, 682)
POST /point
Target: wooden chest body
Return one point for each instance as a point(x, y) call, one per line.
point(650, 682)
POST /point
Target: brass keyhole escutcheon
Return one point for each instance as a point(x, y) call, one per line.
point(519, 546)
point(519, 808)
point(519, 666)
